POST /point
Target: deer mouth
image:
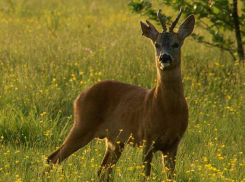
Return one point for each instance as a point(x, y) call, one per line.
point(165, 60)
point(165, 64)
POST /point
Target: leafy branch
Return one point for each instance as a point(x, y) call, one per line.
point(218, 18)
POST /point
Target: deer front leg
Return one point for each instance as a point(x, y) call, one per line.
point(169, 160)
point(112, 155)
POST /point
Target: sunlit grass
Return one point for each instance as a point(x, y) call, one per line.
point(50, 51)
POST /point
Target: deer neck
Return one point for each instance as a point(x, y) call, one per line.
point(169, 84)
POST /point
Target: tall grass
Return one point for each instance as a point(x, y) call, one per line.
point(50, 51)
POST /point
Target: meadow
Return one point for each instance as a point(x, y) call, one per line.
point(51, 50)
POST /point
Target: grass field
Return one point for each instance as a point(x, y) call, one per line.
point(51, 50)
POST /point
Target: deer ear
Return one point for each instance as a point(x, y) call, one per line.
point(187, 27)
point(149, 31)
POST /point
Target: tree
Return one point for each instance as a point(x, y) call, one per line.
point(219, 18)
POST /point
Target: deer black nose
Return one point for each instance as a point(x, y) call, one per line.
point(165, 58)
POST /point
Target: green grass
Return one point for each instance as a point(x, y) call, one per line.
point(50, 51)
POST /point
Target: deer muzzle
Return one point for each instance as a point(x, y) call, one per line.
point(165, 60)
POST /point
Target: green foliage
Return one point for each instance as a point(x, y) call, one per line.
point(214, 17)
point(145, 8)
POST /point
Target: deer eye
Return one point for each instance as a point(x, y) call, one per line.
point(157, 46)
point(175, 45)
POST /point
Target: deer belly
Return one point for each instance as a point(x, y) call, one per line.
point(166, 142)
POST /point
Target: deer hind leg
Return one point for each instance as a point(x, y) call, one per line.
point(112, 154)
point(82, 132)
point(74, 141)
point(108, 150)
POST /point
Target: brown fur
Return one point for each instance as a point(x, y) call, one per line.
point(115, 111)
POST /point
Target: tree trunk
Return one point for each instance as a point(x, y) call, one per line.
point(238, 32)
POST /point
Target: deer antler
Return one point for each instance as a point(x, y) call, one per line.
point(171, 29)
point(161, 20)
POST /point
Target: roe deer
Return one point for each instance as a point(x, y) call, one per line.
point(156, 118)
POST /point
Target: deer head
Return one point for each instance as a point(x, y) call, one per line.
point(168, 44)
